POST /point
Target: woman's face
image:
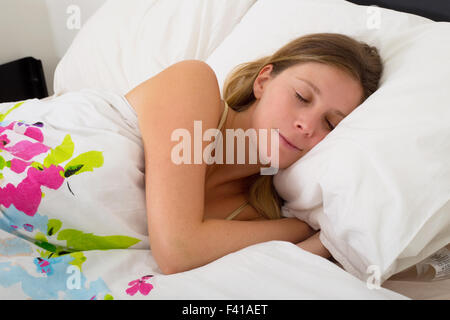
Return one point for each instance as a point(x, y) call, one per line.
point(305, 102)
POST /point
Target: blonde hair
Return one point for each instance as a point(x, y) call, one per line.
point(356, 58)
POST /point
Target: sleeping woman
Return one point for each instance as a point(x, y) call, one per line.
point(197, 211)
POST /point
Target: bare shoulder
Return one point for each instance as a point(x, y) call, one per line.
point(187, 81)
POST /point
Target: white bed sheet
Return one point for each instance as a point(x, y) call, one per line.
point(275, 270)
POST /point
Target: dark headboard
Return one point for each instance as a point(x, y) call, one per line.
point(437, 10)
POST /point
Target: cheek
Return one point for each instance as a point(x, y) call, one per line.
point(262, 119)
point(319, 138)
point(271, 115)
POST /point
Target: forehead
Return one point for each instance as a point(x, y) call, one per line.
point(317, 71)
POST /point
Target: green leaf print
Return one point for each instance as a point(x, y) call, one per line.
point(79, 259)
point(41, 241)
point(45, 245)
point(53, 226)
point(61, 153)
point(37, 165)
point(81, 241)
point(84, 162)
point(3, 115)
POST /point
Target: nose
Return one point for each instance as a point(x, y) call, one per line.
point(305, 127)
point(307, 121)
point(304, 130)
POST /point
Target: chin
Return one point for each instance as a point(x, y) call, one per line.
point(285, 164)
point(291, 162)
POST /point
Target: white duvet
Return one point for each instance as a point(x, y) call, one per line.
point(73, 221)
point(275, 270)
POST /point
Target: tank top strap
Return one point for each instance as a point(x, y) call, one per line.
point(224, 115)
point(237, 211)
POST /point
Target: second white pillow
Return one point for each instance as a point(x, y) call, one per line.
point(126, 42)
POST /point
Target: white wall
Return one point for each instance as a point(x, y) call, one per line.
point(38, 28)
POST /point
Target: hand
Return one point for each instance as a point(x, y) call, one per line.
point(314, 245)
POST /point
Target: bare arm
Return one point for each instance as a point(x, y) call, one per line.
point(314, 245)
point(215, 238)
point(180, 238)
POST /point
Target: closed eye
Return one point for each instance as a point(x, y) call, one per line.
point(330, 125)
point(299, 97)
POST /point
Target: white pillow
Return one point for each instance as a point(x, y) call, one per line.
point(126, 42)
point(378, 186)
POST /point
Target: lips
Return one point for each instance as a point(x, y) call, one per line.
point(288, 142)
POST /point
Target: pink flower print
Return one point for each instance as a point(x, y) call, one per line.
point(27, 196)
point(34, 133)
point(31, 131)
point(28, 227)
point(140, 285)
point(19, 166)
point(3, 140)
point(8, 127)
point(26, 150)
point(43, 265)
point(49, 177)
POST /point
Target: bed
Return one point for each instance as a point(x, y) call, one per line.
point(123, 44)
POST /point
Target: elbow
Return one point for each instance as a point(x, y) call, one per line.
point(169, 267)
point(167, 270)
point(175, 254)
point(170, 261)
point(163, 263)
point(167, 263)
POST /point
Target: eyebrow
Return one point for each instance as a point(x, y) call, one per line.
point(317, 90)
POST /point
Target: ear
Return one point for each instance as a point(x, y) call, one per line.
point(262, 80)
